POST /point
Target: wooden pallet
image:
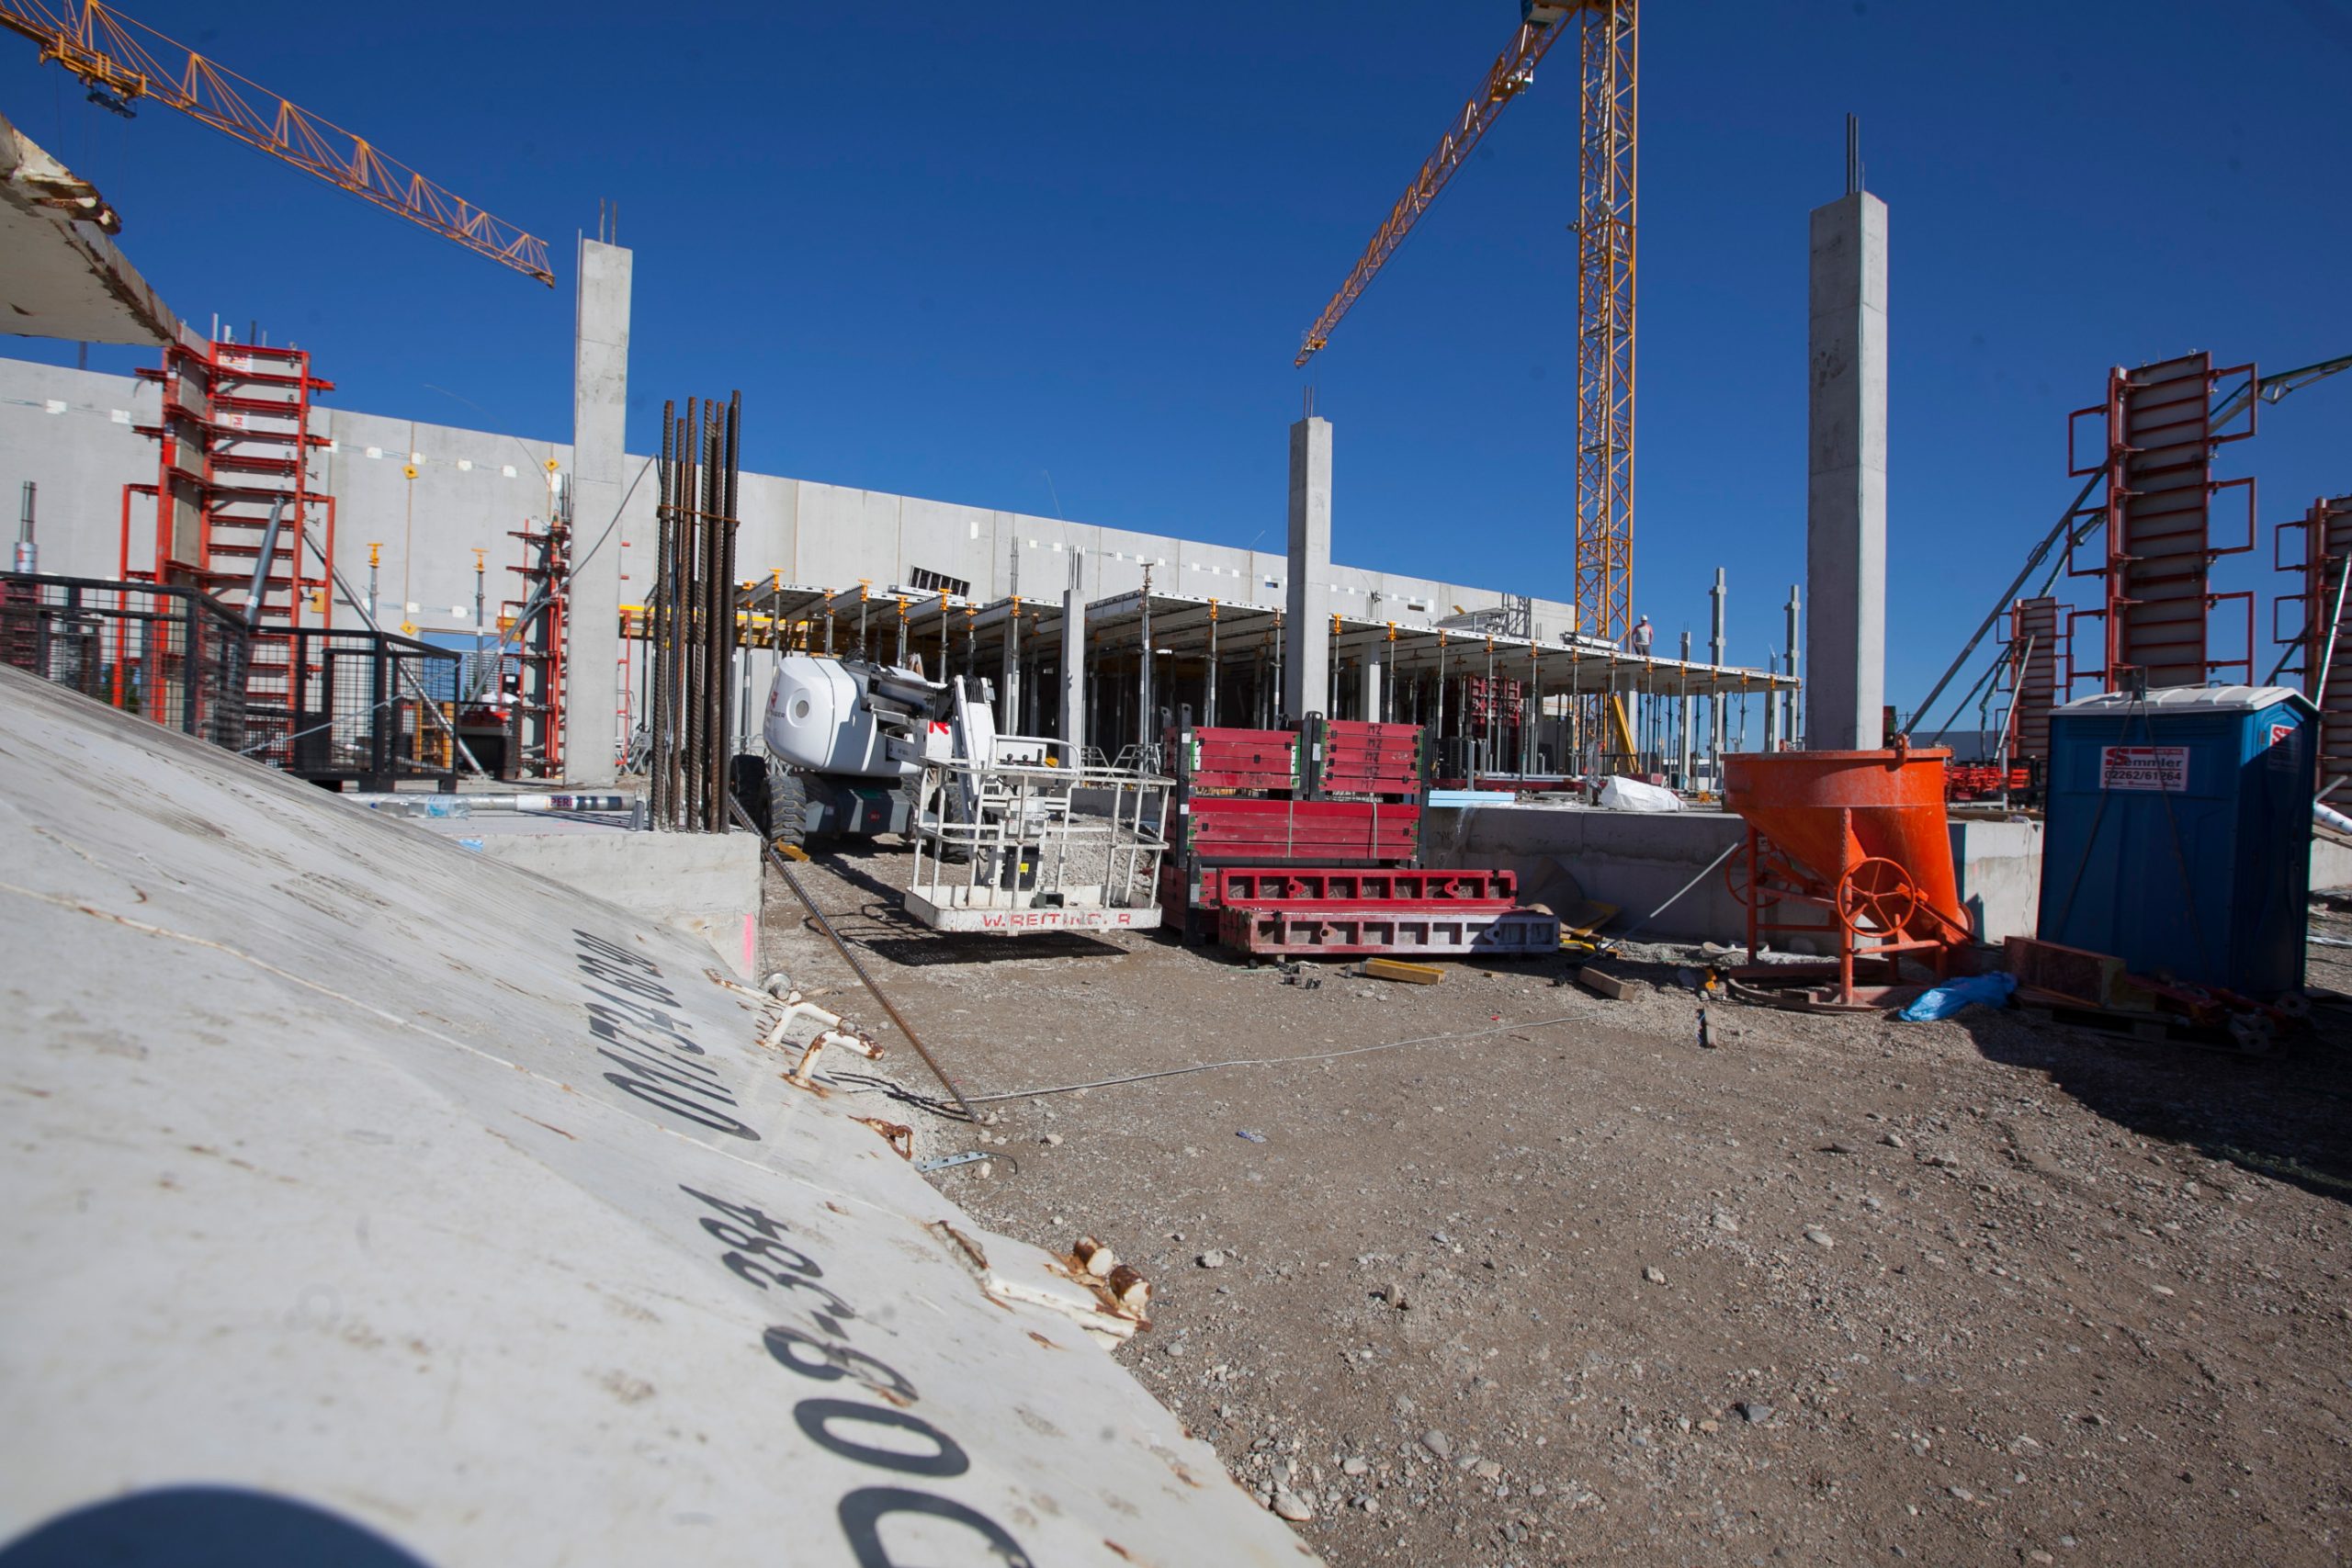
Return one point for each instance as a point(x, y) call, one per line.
point(2159, 1028)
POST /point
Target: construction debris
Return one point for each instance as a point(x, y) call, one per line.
point(1398, 969)
point(1601, 983)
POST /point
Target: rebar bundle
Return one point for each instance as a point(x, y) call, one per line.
point(690, 623)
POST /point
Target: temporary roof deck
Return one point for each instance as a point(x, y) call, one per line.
point(1181, 625)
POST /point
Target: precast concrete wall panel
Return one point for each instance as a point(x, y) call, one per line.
point(372, 1202)
point(70, 432)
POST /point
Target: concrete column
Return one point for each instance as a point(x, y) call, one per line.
point(1370, 692)
point(1682, 717)
point(1788, 704)
point(1716, 708)
point(1306, 625)
point(1073, 727)
point(1009, 682)
point(599, 421)
point(1846, 470)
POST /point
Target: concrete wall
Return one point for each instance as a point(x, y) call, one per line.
point(708, 884)
point(1999, 868)
point(474, 489)
point(2330, 864)
point(1636, 861)
point(1633, 860)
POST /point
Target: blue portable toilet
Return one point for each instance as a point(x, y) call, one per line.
point(2180, 833)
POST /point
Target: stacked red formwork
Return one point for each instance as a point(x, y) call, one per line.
point(1302, 842)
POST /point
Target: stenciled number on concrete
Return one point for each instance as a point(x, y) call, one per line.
point(758, 1255)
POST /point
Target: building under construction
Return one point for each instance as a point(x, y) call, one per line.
point(506, 834)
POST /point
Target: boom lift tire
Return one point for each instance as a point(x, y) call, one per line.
point(787, 806)
point(747, 781)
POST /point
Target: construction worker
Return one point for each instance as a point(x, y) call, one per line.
point(1643, 634)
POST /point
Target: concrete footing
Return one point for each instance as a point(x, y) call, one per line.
point(708, 884)
point(1638, 861)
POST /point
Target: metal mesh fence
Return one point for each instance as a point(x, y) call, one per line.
point(171, 654)
point(335, 706)
point(324, 704)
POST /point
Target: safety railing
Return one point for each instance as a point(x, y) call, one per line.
point(325, 704)
point(337, 707)
point(170, 654)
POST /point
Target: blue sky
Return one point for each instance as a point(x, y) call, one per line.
point(951, 251)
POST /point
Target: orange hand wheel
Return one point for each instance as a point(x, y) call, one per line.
point(1877, 891)
point(1773, 880)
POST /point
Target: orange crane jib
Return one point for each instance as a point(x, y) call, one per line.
point(1607, 97)
point(122, 61)
point(1513, 71)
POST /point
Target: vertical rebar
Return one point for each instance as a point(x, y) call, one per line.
point(661, 716)
point(727, 522)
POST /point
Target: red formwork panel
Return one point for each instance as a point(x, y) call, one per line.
point(1271, 886)
point(1361, 758)
point(1245, 830)
point(1422, 931)
point(1244, 759)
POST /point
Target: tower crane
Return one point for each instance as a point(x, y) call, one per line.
point(123, 62)
point(1604, 230)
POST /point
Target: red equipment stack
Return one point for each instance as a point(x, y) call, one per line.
point(236, 448)
point(1302, 844)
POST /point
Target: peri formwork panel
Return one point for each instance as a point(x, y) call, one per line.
point(2034, 675)
point(1242, 829)
point(1243, 759)
point(1274, 887)
point(2321, 654)
point(2158, 454)
point(1340, 930)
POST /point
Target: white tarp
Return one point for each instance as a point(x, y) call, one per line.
point(1633, 795)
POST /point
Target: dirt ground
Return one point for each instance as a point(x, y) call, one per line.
point(1549, 1282)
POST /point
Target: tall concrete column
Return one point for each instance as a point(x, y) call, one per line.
point(599, 421)
point(1371, 687)
point(1717, 712)
point(1009, 684)
point(1307, 625)
point(1073, 727)
point(1846, 470)
point(1683, 716)
point(1788, 704)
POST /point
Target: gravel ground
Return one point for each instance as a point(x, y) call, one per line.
point(1560, 1285)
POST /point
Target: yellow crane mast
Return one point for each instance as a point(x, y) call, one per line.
point(1607, 103)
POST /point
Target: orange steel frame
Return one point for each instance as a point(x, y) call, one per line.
point(234, 436)
point(1858, 907)
point(2156, 525)
point(1606, 184)
point(2325, 671)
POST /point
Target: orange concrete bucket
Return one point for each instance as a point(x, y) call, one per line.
point(1867, 830)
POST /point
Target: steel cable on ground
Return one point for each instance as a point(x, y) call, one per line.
point(825, 923)
point(1272, 1061)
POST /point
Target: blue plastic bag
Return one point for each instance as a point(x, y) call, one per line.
point(1992, 989)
